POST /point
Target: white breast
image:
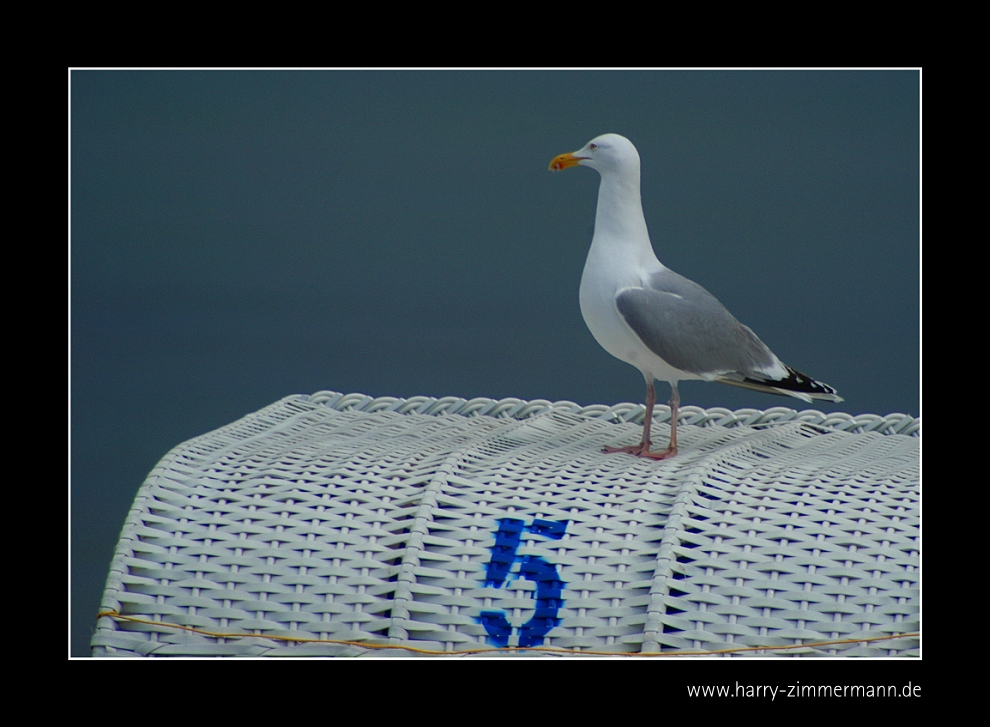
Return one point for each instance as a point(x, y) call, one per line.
point(604, 276)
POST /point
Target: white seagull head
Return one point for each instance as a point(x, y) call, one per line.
point(605, 153)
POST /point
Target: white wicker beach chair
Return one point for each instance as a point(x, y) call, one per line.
point(344, 525)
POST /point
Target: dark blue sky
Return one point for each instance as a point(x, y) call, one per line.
point(240, 236)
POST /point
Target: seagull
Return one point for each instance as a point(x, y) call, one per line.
point(645, 314)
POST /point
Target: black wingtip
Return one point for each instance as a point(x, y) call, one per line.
point(796, 384)
point(804, 384)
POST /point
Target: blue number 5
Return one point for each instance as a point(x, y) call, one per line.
point(532, 567)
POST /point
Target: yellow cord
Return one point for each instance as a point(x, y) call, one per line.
point(546, 649)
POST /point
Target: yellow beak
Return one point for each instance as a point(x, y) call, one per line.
point(563, 161)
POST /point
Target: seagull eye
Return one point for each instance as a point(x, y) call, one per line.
point(592, 146)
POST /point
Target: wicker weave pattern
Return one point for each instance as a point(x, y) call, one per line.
point(373, 520)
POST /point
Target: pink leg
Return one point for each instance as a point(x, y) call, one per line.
point(643, 448)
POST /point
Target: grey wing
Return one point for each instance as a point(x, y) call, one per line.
point(687, 327)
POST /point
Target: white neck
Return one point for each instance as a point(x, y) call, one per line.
point(619, 222)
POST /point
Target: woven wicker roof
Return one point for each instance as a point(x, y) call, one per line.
point(338, 524)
